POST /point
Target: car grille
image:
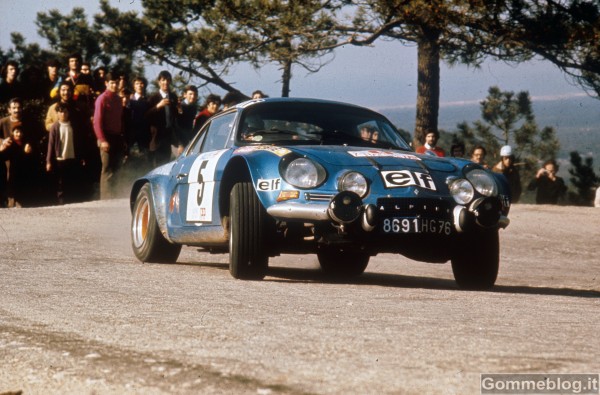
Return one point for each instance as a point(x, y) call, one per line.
point(321, 197)
point(411, 207)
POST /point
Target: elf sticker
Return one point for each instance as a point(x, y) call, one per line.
point(407, 178)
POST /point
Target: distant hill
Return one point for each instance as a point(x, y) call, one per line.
point(575, 120)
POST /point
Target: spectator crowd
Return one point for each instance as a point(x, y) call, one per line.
point(98, 130)
point(99, 127)
point(549, 188)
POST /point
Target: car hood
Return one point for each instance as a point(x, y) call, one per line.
point(360, 156)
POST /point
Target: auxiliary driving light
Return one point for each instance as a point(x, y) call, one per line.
point(345, 207)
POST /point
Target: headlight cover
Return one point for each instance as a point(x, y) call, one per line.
point(461, 190)
point(483, 182)
point(303, 173)
point(354, 182)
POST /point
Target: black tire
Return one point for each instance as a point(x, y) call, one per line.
point(149, 245)
point(248, 256)
point(340, 263)
point(476, 261)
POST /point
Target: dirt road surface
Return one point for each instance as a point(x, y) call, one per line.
point(79, 314)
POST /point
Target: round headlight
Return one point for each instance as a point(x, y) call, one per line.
point(354, 182)
point(483, 182)
point(461, 190)
point(303, 173)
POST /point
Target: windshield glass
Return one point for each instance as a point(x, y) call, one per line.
point(317, 123)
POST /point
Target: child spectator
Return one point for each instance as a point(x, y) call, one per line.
point(211, 107)
point(19, 154)
point(15, 113)
point(66, 157)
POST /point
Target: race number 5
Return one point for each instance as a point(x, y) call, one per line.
point(200, 194)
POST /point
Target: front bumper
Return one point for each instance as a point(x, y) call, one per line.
point(345, 209)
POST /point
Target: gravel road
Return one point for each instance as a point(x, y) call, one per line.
point(79, 314)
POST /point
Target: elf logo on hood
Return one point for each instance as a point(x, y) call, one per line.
point(407, 178)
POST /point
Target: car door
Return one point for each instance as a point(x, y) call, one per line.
point(199, 177)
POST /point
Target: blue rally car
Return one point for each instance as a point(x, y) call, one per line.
point(275, 176)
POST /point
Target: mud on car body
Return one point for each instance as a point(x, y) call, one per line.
point(273, 176)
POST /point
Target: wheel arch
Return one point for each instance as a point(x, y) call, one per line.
point(159, 202)
point(237, 170)
point(135, 190)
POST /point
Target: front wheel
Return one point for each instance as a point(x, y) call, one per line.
point(248, 257)
point(476, 260)
point(149, 245)
point(336, 262)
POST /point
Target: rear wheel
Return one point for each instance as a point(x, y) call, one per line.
point(149, 245)
point(336, 262)
point(476, 261)
point(248, 257)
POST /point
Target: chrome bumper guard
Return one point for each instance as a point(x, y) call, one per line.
point(301, 211)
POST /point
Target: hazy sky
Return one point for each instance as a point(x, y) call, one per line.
point(379, 77)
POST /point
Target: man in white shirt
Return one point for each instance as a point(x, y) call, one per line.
point(161, 115)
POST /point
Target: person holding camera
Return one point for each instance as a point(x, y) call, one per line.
point(550, 187)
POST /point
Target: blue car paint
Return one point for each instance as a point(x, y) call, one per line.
point(262, 163)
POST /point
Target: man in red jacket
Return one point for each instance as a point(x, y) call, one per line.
point(109, 132)
point(430, 146)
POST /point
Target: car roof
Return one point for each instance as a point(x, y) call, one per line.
point(303, 100)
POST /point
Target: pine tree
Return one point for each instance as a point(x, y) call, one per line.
point(583, 178)
point(508, 119)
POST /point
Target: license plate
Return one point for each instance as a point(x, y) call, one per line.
point(416, 225)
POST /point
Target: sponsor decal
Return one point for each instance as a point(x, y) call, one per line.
point(265, 185)
point(279, 151)
point(407, 178)
point(382, 153)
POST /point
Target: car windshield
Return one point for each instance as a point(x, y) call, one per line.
point(317, 124)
